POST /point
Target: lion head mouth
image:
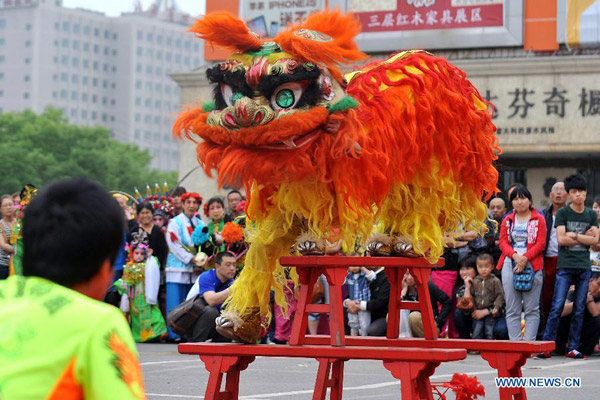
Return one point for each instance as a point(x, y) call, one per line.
point(294, 142)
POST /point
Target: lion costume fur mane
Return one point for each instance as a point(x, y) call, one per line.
point(413, 154)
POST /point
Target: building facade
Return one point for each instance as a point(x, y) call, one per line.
point(99, 70)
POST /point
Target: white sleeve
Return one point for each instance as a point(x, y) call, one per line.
point(152, 280)
point(124, 306)
point(195, 290)
point(175, 247)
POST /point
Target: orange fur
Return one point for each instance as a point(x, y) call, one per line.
point(226, 30)
point(342, 49)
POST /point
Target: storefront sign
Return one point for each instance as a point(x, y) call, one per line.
point(410, 15)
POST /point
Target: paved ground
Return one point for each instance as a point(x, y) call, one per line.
point(169, 375)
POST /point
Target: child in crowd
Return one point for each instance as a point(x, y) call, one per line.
point(358, 289)
point(139, 288)
point(488, 296)
point(464, 298)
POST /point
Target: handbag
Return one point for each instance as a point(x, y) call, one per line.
point(184, 316)
point(523, 282)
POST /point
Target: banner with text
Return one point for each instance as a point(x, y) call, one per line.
point(409, 15)
point(268, 17)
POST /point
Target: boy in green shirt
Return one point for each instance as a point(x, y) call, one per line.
point(576, 230)
point(57, 339)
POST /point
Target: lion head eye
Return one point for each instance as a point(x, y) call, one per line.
point(229, 95)
point(286, 96)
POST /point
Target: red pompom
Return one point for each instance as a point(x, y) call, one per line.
point(466, 387)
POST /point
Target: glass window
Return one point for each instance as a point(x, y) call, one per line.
point(187, 45)
point(27, 60)
point(54, 94)
point(26, 95)
point(94, 98)
point(186, 61)
point(55, 42)
point(75, 62)
point(75, 28)
point(178, 58)
point(138, 84)
point(64, 60)
point(168, 89)
point(112, 118)
point(84, 97)
point(178, 43)
point(156, 136)
point(104, 100)
point(106, 51)
point(73, 112)
point(95, 82)
point(139, 51)
point(148, 85)
point(138, 68)
point(96, 32)
point(147, 135)
point(138, 101)
point(115, 36)
point(148, 103)
point(86, 46)
point(73, 95)
point(105, 68)
point(96, 49)
point(169, 41)
point(159, 39)
point(137, 134)
point(65, 26)
point(114, 52)
point(95, 65)
point(85, 63)
point(84, 114)
point(63, 94)
point(75, 45)
point(63, 77)
point(112, 102)
point(158, 87)
point(86, 30)
point(1, 58)
point(27, 43)
point(138, 117)
point(159, 55)
point(106, 34)
point(74, 78)
point(196, 62)
point(56, 25)
point(105, 84)
point(65, 42)
point(196, 47)
point(168, 56)
point(149, 69)
point(149, 53)
point(149, 36)
point(158, 71)
point(26, 78)
point(157, 104)
point(2, 76)
point(55, 60)
point(113, 85)
point(94, 115)
point(147, 119)
point(104, 117)
point(140, 35)
point(84, 80)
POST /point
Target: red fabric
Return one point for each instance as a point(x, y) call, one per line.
point(536, 240)
point(445, 280)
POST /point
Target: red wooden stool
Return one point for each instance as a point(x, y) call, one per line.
point(335, 268)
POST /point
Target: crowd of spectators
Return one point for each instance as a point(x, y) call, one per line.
point(535, 274)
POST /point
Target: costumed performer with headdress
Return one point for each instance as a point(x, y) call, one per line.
point(406, 142)
point(182, 263)
point(139, 287)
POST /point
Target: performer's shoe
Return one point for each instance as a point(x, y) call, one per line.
point(380, 245)
point(309, 244)
point(243, 329)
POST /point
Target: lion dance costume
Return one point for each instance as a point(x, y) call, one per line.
point(405, 144)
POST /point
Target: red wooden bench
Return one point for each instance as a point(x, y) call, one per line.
point(412, 366)
point(507, 357)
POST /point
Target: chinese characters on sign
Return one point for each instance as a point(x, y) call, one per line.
point(426, 14)
point(268, 17)
point(585, 104)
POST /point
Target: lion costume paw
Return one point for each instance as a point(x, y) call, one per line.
point(243, 329)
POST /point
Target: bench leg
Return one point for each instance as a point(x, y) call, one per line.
point(508, 366)
point(325, 379)
point(414, 378)
point(217, 366)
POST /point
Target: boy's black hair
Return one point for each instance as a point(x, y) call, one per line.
point(219, 256)
point(144, 205)
point(70, 228)
point(521, 191)
point(486, 257)
point(597, 200)
point(178, 191)
point(575, 181)
point(468, 262)
point(595, 276)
